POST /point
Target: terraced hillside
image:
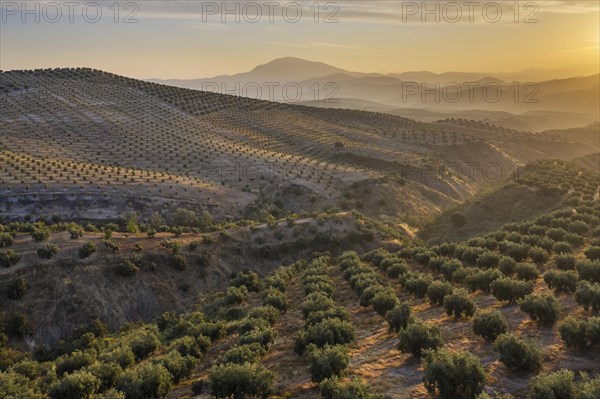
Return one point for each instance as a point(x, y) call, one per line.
point(80, 136)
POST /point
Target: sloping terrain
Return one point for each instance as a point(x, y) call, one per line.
point(80, 135)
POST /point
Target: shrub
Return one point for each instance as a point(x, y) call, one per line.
point(561, 281)
point(450, 267)
point(453, 374)
point(562, 247)
point(75, 361)
point(180, 367)
point(179, 262)
point(40, 234)
point(144, 343)
point(78, 385)
point(8, 258)
point(328, 331)
point(106, 373)
point(593, 253)
point(538, 255)
point(316, 302)
point(507, 265)
point(240, 380)
point(573, 333)
point(518, 252)
point(241, 354)
point(488, 260)
point(416, 284)
point(490, 324)
point(399, 317)
point(76, 232)
point(268, 313)
point(527, 271)
point(507, 289)
point(16, 324)
point(327, 362)
point(127, 268)
point(87, 250)
point(556, 234)
point(275, 298)
point(334, 388)
point(556, 385)
point(565, 262)
point(6, 240)
point(482, 280)
point(588, 270)
point(249, 279)
point(518, 354)
point(384, 301)
point(396, 269)
point(16, 288)
point(235, 295)
point(437, 291)
point(419, 336)
point(459, 304)
point(588, 296)
point(145, 381)
point(47, 251)
point(544, 309)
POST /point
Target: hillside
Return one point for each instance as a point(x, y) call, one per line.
point(74, 138)
point(506, 312)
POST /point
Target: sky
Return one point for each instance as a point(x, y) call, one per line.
point(196, 39)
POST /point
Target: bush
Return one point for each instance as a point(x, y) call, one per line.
point(334, 388)
point(419, 336)
point(316, 302)
point(107, 374)
point(78, 385)
point(384, 301)
point(75, 361)
point(490, 324)
point(507, 266)
point(556, 385)
point(588, 270)
point(593, 253)
point(518, 354)
point(561, 281)
point(179, 262)
point(16, 324)
point(249, 279)
point(180, 367)
point(240, 380)
point(453, 375)
point(47, 251)
point(527, 271)
point(450, 267)
point(145, 381)
point(16, 288)
point(241, 354)
point(565, 262)
point(518, 252)
point(143, 344)
point(482, 280)
point(488, 260)
point(416, 284)
point(76, 232)
point(235, 295)
point(40, 234)
point(6, 240)
point(538, 255)
point(562, 247)
point(507, 289)
point(87, 250)
point(328, 331)
point(399, 317)
point(275, 298)
point(544, 309)
point(580, 334)
point(8, 258)
point(588, 296)
point(127, 268)
point(437, 291)
point(328, 361)
point(459, 304)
